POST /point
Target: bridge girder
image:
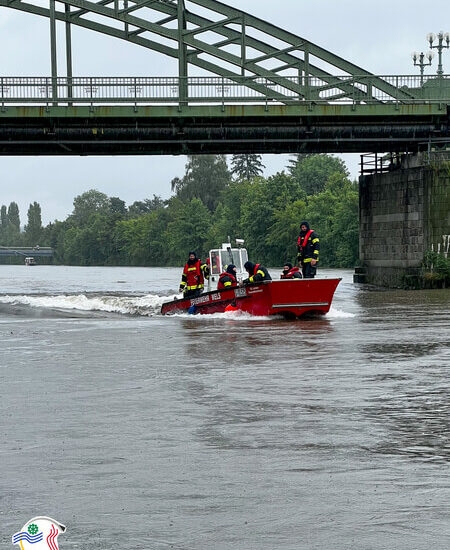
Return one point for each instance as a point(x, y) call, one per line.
point(228, 129)
point(189, 35)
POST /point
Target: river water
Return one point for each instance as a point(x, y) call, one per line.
point(139, 431)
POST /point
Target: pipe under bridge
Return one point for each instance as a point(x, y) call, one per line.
point(265, 90)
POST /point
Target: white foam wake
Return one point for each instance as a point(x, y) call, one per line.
point(228, 315)
point(147, 305)
point(339, 314)
point(130, 305)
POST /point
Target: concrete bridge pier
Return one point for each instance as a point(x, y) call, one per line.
point(403, 214)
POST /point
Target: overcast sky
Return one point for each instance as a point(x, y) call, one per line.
point(378, 36)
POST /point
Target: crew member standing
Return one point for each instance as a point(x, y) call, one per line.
point(193, 278)
point(257, 273)
point(228, 278)
point(290, 272)
point(308, 250)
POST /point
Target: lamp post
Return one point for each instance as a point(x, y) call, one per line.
point(418, 59)
point(441, 38)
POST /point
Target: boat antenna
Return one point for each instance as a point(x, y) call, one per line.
point(230, 255)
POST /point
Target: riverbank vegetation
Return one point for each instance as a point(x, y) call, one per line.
point(210, 202)
point(436, 270)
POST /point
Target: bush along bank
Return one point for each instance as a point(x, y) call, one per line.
point(436, 270)
point(434, 273)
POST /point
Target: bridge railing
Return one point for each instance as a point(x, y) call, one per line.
point(215, 90)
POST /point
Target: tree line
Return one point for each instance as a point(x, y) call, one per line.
point(210, 202)
point(11, 233)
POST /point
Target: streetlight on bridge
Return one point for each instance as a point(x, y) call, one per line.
point(441, 37)
point(418, 59)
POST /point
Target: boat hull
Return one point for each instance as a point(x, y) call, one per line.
point(289, 297)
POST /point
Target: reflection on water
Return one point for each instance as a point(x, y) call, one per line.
point(379, 352)
point(191, 432)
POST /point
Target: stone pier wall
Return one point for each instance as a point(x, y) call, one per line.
point(403, 214)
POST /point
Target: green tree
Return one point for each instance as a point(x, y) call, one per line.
point(333, 213)
point(143, 240)
point(33, 229)
point(188, 229)
point(312, 172)
point(93, 243)
point(53, 235)
point(13, 216)
point(265, 197)
point(227, 219)
point(3, 224)
point(284, 230)
point(12, 236)
point(70, 250)
point(296, 159)
point(265, 212)
point(117, 206)
point(88, 203)
point(246, 167)
point(205, 178)
point(138, 208)
point(4, 216)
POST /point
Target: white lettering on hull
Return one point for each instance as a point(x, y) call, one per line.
point(200, 300)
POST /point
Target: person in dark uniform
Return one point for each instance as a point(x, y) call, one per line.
point(290, 272)
point(257, 273)
point(228, 278)
point(193, 278)
point(308, 250)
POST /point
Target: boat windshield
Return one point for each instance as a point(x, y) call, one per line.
point(220, 259)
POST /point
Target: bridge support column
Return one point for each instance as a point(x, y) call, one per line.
point(53, 51)
point(182, 55)
point(403, 214)
point(68, 52)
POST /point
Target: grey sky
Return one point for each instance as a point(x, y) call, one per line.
point(378, 36)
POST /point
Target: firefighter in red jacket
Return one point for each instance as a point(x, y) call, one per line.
point(290, 272)
point(308, 250)
point(194, 274)
point(228, 278)
point(257, 273)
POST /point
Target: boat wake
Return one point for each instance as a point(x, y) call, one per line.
point(335, 313)
point(147, 305)
point(227, 316)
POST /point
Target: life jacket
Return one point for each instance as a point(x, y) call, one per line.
point(259, 271)
point(221, 285)
point(194, 276)
point(305, 239)
point(290, 273)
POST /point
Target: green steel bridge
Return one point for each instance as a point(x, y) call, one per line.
point(43, 251)
point(257, 88)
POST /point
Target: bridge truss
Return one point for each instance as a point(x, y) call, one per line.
point(219, 39)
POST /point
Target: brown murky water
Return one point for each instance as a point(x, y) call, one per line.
point(144, 432)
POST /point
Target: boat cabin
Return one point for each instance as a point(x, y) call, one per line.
point(29, 260)
point(221, 258)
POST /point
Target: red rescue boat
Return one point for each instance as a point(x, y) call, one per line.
point(287, 297)
point(290, 298)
